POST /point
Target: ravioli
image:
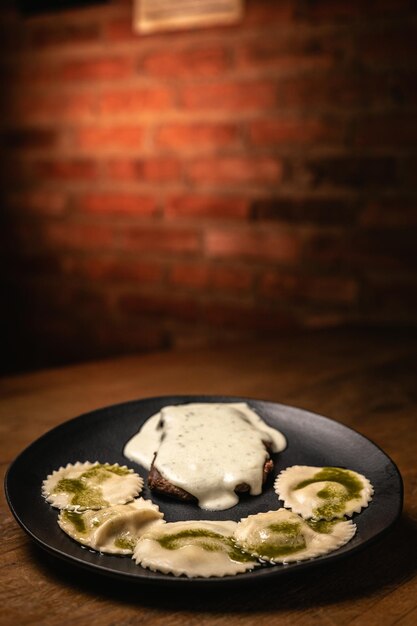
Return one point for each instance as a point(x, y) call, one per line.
point(88, 485)
point(323, 492)
point(114, 529)
point(193, 548)
point(283, 536)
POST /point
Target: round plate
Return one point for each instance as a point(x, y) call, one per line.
point(102, 434)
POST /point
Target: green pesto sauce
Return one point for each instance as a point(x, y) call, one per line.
point(124, 543)
point(324, 527)
point(335, 499)
point(205, 539)
point(291, 529)
point(119, 471)
point(101, 473)
point(283, 539)
point(83, 494)
point(76, 520)
point(85, 491)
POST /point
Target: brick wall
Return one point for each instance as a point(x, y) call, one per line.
point(200, 186)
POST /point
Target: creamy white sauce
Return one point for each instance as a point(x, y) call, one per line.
point(207, 449)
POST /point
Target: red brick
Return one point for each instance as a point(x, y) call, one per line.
point(278, 284)
point(247, 316)
point(19, 240)
point(77, 236)
point(337, 10)
point(63, 33)
point(117, 203)
point(399, 88)
point(331, 289)
point(110, 136)
point(72, 169)
point(195, 276)
point(39, 264)
point(207, 206)
point(382, 130)
point(90, 301)
point(391, 212)
point(244, 170)
point(192, 62)
point(329, 10)
point(270, 246)
point(326, 319)
point(30, 74)
point(115, 269)
point(119, 29)
point(388, 6)
point(408, 169)
point(294, 131)
point(203, 277)
point(379, 248)
point(194, 137)
point(152, 170)
point(29, 138)
point(186, 309)
point(231, 279)
point(42, 107)
point(373, 248)
point(328, 248)
point(37, 201)
point(16, 170)
point(392, 292)
point(67, 340)
point(161, 240)
point(284, 55)
point(324, 89)
point(351, 171)
point(96, 69)
point(13, 34)
point(268, 12)
point(392, 46)
point(129, 336)
point(10, 73)
point(313, 210)
point(228, 96)
point(351, 211)
point(135, 100)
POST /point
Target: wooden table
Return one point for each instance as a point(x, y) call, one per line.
point(364, 379)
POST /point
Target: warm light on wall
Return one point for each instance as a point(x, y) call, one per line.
point(205, 184)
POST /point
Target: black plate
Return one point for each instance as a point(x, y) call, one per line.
point(102, 434)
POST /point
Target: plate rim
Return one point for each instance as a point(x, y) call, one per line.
point(159, 579)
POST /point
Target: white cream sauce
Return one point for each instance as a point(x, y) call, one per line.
point(207, 449)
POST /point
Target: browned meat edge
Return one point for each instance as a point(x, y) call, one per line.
point(158, 483)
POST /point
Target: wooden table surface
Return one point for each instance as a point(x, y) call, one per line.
point(364, 379)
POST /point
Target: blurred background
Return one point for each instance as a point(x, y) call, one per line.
point(207, 185)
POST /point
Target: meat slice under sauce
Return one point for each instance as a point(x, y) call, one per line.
point(158, 483)
point(207, 452)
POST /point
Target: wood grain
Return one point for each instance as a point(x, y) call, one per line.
point(364, 379)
